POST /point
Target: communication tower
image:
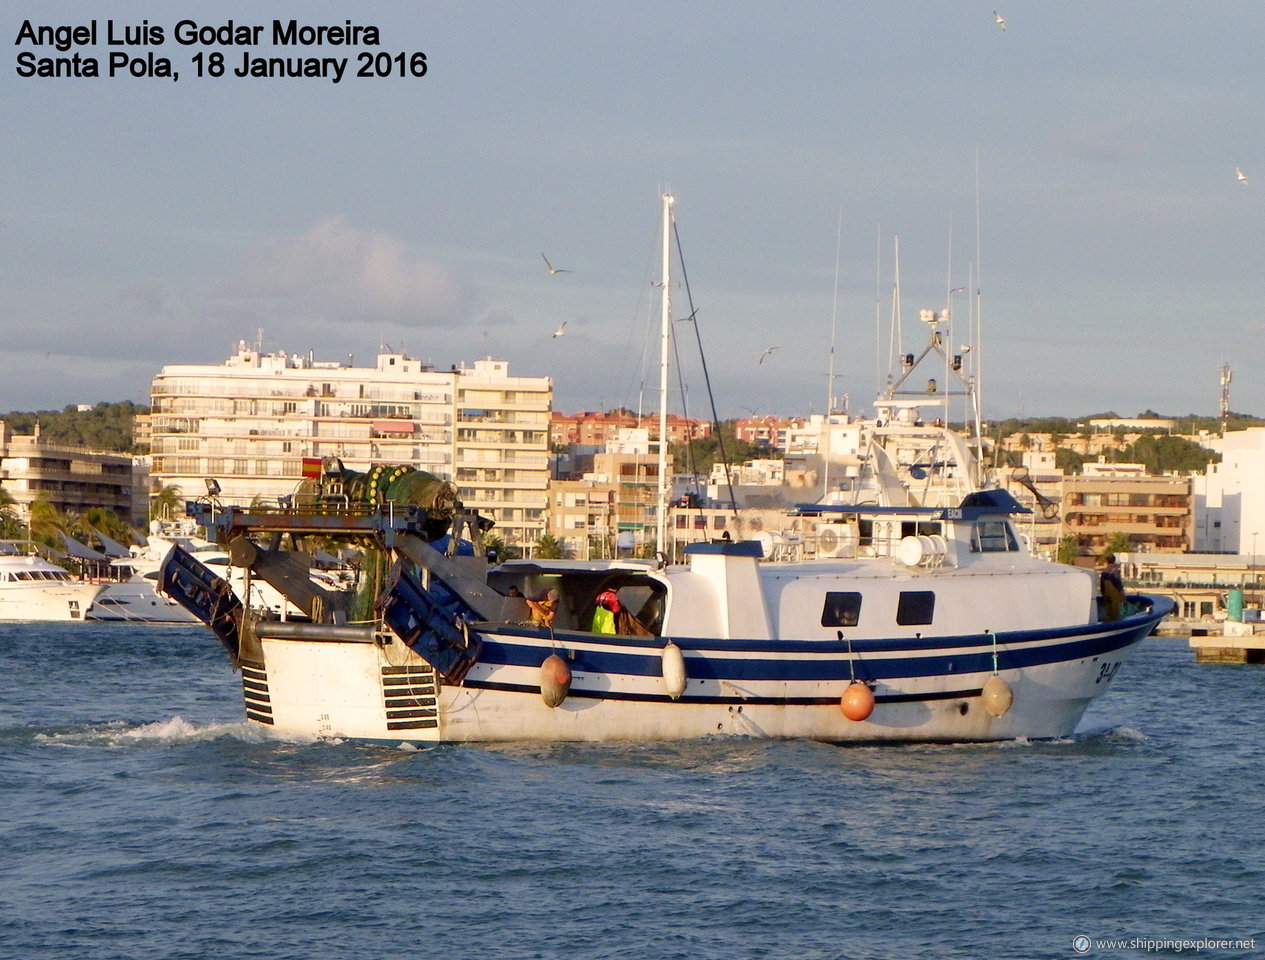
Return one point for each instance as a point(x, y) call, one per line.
point(1226, 377)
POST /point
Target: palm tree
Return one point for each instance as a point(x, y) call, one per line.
point(106, 521)
point(1068, 550)
point(1118, 542)
point(549, 547)
point(496, 546)
point(47, 524)
point(11, 527)
point(167, 503)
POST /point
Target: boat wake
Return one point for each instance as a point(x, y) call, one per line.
point(1112, 735)
point(1093, 737)
point(121, 733)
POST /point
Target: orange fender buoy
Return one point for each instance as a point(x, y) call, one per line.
point(997, 696)
point(555, 680)
point(857, 702)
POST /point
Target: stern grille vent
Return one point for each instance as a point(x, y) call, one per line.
point(255, 693)
point(411, 696)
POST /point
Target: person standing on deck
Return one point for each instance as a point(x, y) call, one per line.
point(1111, 586)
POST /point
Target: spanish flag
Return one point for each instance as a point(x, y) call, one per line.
point(311, 467)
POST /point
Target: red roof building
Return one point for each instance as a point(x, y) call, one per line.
point(596, 429)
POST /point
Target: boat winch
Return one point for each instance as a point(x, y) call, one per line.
point(922, 550)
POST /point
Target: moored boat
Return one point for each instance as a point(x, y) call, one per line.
point(33, 588)
point(137, 599)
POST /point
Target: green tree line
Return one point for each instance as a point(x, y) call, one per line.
point(699, 455)
point(1188, 424)
point(106, 427)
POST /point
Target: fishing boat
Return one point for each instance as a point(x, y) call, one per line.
point(34, 588)
point(924, 622)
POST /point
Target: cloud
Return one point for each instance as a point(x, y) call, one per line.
point(335, 272)
point(89, 318)
point(1108, 141)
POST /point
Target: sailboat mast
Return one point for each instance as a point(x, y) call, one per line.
point(824, 443)
point(661, 520)
point(977, 334)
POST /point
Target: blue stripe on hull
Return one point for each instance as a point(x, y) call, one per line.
point(637, 657)
point(860, 646)
point(780, 667)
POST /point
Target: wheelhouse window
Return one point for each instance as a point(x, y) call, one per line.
point(915, 607)
point(841, 610)
point(992, 536)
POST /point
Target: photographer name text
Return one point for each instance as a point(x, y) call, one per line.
point(278, 49)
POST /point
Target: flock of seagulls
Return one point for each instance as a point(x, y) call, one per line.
point(554, 271)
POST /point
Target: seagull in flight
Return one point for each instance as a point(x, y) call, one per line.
point(550, 267)
point(562, 327)
point(767, 351)
point(1241, 175)
point(1001, 21)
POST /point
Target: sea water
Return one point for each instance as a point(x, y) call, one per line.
point(142, 818)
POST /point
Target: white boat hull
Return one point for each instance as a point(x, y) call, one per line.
point(361, 690)
point(136, 601)
point(45, 601)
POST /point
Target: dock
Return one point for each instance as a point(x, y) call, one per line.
point(1219, 641)
point(1233, 642)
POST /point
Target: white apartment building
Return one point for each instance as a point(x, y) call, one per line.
point(838, 436)
point(249, 423)
point(1230, 497)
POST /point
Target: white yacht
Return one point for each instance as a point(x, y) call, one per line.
point(138, 598)
point(33, 588)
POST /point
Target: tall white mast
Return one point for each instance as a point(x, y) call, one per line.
point(978, 334)
point(661, 521)
point(824, 444)
point(896, 345)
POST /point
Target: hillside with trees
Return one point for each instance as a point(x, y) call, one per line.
point(1187, 425)
point(698, 456)
point(106, 427)
point(1160, 450)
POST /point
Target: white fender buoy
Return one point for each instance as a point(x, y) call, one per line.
point(857, 702)
point(555, 680)
point(997, 696)
point(673, 670)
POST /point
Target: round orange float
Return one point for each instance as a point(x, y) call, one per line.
point(857, 702)
point(555, 680)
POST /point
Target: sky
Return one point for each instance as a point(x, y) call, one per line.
point(1075, 172)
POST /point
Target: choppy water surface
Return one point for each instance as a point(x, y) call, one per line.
point(143, 819)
